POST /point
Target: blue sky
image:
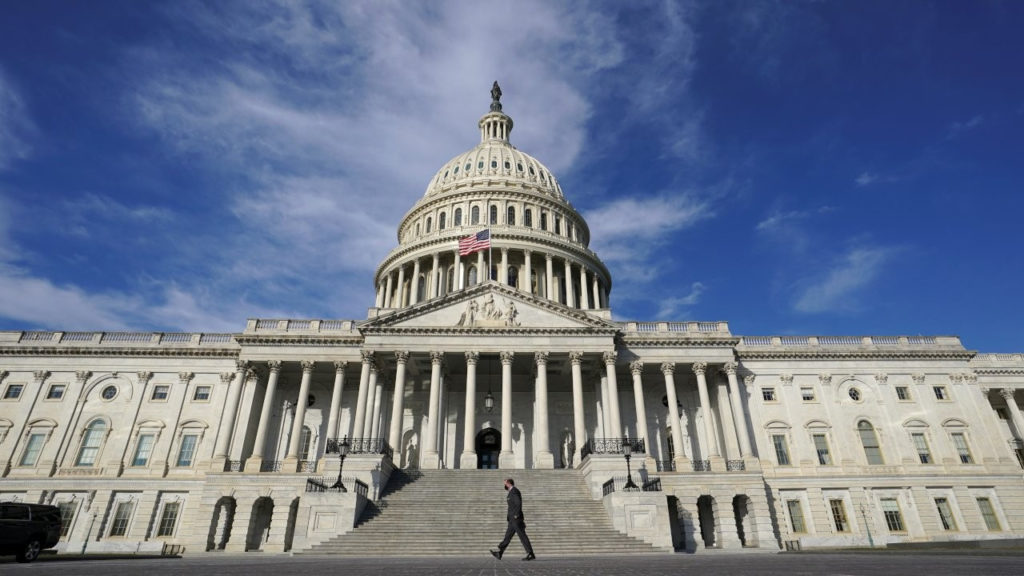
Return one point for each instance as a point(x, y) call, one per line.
point(790, 167)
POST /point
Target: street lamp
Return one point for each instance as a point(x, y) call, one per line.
point(342, 452)
point(627, 451)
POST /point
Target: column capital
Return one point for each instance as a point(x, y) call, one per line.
point(917, 377)
point(1007, 394)
point(699, 368)
point(636, 367)
point(881, 377)
point(401, 356)
point(145, 377)
point(367, 356)
point(825, 378)
point(504, 250)
point(730, 368)
point(436, 358)
point(374, 367)
point(241, 365)
point(185, 377)
point(956, 378)
point(307, 366)
point(506, 358)
point(609, 357)
point(548, 257)
point(541, 358)
point(226, 377)
point(749, 379)
point(339, 365)
point(41, 375)
point(668, 368)
point(971, 378)
point(576, 358)
point(274, 365)
point(472, 357)
point(250, 374)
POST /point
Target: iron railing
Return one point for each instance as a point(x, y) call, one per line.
point(611, 446)
point(307, 465)
point(233, 466)
point(665, 465)
point(608, 487)
point(702, 465)
point(652, 485)
point(361, 446)
point(270, 466)
point(320, 484)
point(735, 465)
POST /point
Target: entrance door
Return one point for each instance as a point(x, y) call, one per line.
point(488, 446)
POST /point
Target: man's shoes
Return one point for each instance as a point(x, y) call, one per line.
point(496, 554)
point(528, 557)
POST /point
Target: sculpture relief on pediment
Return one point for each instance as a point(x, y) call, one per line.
point(486, 312)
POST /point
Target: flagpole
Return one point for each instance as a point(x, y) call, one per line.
point(490, 262)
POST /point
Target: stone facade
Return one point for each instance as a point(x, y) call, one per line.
point(209, 441)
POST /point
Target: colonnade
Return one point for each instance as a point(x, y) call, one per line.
point(555, 277)
point(367, 423)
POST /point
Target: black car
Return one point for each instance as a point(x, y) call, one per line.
point(26, 529)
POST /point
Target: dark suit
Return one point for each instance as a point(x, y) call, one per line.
point(516, 522)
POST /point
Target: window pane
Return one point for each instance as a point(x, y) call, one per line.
point(893, 517)
point(143, 450)
point(807, 394)
point(961, 447)
point(55, 392)
point(91, 444)
point(67, 516)
point(201, 393)
point(989, 514)
point(168, 519)
point(796, 515)
point(768, 394)
point(921, 444)
point(187, 450)
point(945, 514)
point(13, 391)
point(902, 393)
point(121, 518)
point(869, 440)
point(821, 447)
point(32, 449)
point(160, 392)
point(839, 515)
point(781, 451)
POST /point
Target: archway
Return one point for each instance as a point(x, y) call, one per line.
point(488, 447)
point(221, 523)
point(706, 517)
point(742, 509)
point(259, 525)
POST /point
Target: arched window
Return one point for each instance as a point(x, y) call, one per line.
point(430, 223)
point(528, 218)
point(494, 273)
point(510, 218)
point(442, 221)
point(494, 214)
point(417, 228)
point(474, 215)
point(458, 217)
point(543, 221)
point(421, 288)
point(91, 442)
point(450, 282)
point(558, 224)
point(869, 439)
point(304, 442)
point(513, 276)
point(472, 275)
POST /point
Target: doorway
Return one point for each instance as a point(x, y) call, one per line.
point(488, 447)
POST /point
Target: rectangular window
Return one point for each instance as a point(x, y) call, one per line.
point(945, 514)
point(821, 447)
point(122, 515)
point(143, 449)
point(961, 448)
point(893, 517)
point(902, 393)
point(768, 394)
point(201, 394)
point(13, 391)
point(781, 450)
point(796, 516)
point(160, 392)
point(168, 519)
point(921, 444)
point(839, 515)
point(187, 450)
point(989, 514)
point(807, 394)
point(56, 391)
point(940, 393)
point(32, 449)
point(67, 516)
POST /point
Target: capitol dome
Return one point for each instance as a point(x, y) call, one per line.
point(539, 242)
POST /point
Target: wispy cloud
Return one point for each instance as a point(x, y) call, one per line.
point(841, 287)
point(673, 307)
point(16, 128)
point(629, 228)
point(955, 129)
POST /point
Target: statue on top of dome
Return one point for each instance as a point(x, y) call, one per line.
point(495, 97)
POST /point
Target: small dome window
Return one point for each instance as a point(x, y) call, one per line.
point(532, 173)
point(494, 163)
point(519, 166)
point(854, 394)
point(456, 171)
point(542, 177)
point(480, 165)
point(507, 165)
point(468, 166)
point(445, 173)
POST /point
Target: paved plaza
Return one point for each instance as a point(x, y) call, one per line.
point(762, 564)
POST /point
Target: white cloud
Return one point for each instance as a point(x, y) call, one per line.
point(627, 229)
point(840, 288)
point(672, 307)
point(866, 178)
point(16, 126)
point(957, 128)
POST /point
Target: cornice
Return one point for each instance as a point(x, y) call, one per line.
point(119, 351)
point(506, 331)
point(749, 354)
point(298, 340)
point(702, 341)
point(999, 371)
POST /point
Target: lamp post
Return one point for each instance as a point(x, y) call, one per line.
point(627, 451)
point(342, 452)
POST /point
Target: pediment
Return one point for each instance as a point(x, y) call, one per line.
point(489, 307)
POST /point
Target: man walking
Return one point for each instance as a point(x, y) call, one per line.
point(516, 522)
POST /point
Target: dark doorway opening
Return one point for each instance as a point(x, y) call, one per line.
point(488, 447)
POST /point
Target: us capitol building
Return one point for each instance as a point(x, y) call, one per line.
point(504, 355)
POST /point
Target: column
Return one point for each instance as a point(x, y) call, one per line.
point(397, 409)
point(636, 368)
point(613, 394)
point(371, 396)
point(528, 285)
point(570, 297)
point(468, 458)
point(548, 279)
point(378, 401)
point(506, 459)
point(1015, 415)
point(414, 291)
point(503, 272)
point(228, 425)
point(364, 386)
point(380, 295)
point(388, 292)
point(339, 385)
point(699, 368)
point(606, 418)
point(255, 461)
point(435, 282)
point(400, 293)
point(459, 283)
point(597, 294)
point(543, 457)
point(679, 458)
point(430, 459)
point(300, 414)
point(738, 415)
point(604, 297)
point(584, 300)
point(579, 425)
point(723, 411)
point(482, 275)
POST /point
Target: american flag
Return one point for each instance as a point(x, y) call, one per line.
point(475, 243)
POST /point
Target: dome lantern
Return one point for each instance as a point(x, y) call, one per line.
point(495, 125)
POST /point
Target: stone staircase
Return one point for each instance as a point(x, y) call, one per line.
point(462, 512)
